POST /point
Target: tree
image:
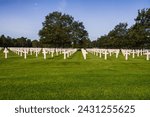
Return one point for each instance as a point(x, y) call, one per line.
point(137, 36)
point(18, 42)
point(102, 42)
point(21, 42)
point(116, 38)
point(28, 43)
point(35, 43)
point(60, 30)
point(139, 33)
point(2, 40)
point(94, 44)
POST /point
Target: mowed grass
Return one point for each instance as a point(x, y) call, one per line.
point(74, 78)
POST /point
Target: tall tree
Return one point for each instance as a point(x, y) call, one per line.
point(7, 41)
point(22, 42)
point(61, 30)
point(139, 33)
point(28, 43)
point(35, 43)
point(137, 36)
point(2, 39)
point(116, 38)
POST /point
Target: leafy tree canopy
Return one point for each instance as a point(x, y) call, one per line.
point(61, 30)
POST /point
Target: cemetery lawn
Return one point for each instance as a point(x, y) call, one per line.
point(74, 78)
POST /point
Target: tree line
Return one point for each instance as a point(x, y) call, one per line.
point(61, 30)
point(7, 41)
point(137, 36)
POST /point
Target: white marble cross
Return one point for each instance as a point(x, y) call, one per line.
point(52, 53)
point(65, 53)
point(84, 53)
point(18, 51)
point(117, 53)
point(105, 54)
point(133, 53)
point(44, 53)
point(96, 52)
point(25, 53)
point(21, 51)
point(126, 55)
point(138, 53)
point(147, 55)
point(36, 52)
point(6, 52)
point(100, 53)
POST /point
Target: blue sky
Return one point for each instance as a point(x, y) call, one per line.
point(24, 17)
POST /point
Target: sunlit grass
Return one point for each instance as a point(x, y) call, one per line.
point(74, 78)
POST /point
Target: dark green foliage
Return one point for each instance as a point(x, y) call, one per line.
point(35, 43)
point(140, 32)
point(11, 42)
point(117, 38)
point(61, 30)
point(137, 36)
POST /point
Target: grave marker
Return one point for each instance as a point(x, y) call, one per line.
point(133, 53)
point(105, 54)
point(25, 53)
point(147, 55)
point(36, 52)
point(126, 55)
point(6, 52)
point(84, 53)
point(44, 53)
point(65, 54)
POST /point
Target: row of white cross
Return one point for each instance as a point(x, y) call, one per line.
point(105, 52)
point(51, 51)
point(25, 51)
point(68, 52)
point(125, 52)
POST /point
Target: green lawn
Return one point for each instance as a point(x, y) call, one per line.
point(74, 78)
